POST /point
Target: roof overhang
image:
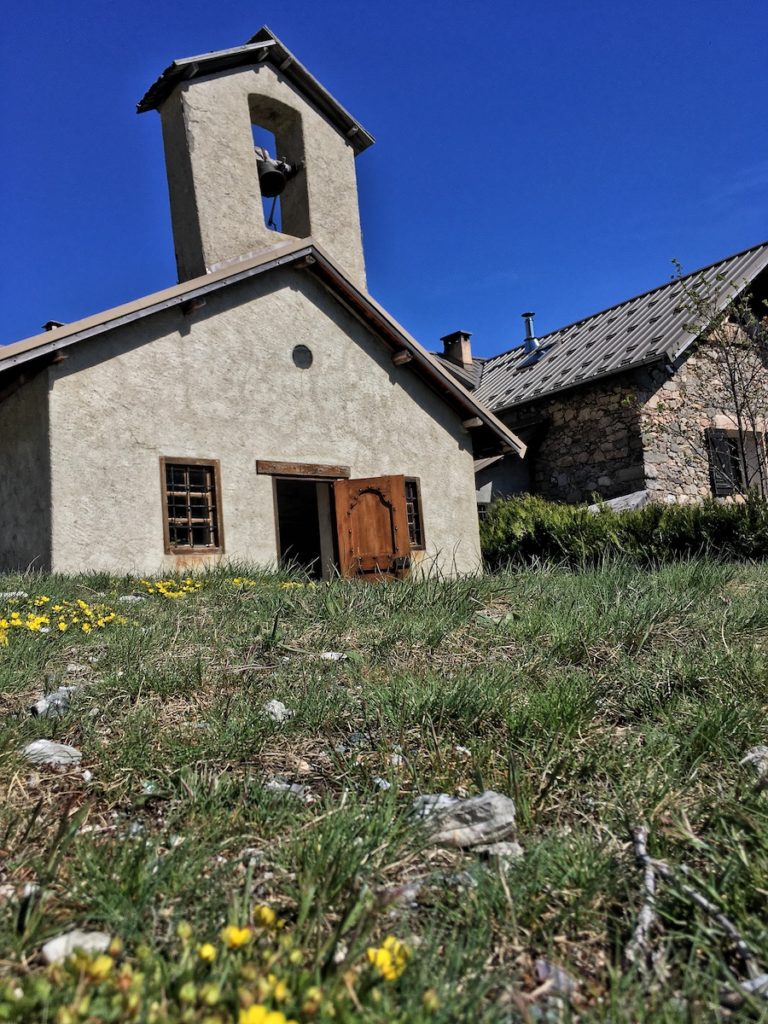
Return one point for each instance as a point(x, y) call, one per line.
point(308, 257)
point(262, 48)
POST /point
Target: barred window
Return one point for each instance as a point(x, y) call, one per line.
point(413, 511)
point(736, 461)
point(482, 510)
point(192, 510)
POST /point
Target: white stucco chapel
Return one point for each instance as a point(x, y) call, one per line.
point(264, 409)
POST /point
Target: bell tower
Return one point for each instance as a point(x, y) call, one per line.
point(216, 110)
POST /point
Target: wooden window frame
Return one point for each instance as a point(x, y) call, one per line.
point(188, 549)
point(422, 545)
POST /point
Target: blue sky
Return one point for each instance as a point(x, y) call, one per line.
point(552, 156)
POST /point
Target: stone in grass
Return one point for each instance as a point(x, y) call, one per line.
point(290, 788)
point(48, 752)
point(757, 757)
point(57, 950)
point(131, 598)
point(276, 711)
point(478, 820)
point(561, 983)
point(733, 999)
point(53, 704)
point(332, 656)
point(506, 851)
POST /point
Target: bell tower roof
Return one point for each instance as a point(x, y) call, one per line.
point(262, 48)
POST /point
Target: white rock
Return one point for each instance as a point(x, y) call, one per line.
point(277, 711)
point(561, 982)
point(131, 598)
point(56, 950)
point(505, 851)
point(478, 820)
point(464, 751)
point(87, 776)
point(291, 788)
point(380, 783)
point(332, 656)
point(396, 760)
point(48, 752)
point(53, 704)
point(428, 804)
point(756, 986)
point(758, 758)
point(10, 595)
point(73, 669)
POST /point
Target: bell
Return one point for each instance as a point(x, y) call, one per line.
point(272, 178)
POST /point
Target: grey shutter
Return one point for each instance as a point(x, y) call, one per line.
point(720, 465)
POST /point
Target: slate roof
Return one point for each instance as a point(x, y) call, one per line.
point(644, 329)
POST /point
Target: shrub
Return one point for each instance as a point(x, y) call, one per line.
point(528, 528)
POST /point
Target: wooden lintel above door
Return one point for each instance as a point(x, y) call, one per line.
point(310, 469)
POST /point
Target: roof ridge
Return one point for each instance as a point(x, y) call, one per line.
point(632, 298)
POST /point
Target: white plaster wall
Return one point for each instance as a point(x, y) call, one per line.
point(216, 207)
point(221, 384)
point(24, 478)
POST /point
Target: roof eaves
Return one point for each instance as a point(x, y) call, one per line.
point(262, 48)
point(573, 385)
point(69, 334)
point(430, 366)
point(316, 260)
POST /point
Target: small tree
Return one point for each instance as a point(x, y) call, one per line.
point(731, 328)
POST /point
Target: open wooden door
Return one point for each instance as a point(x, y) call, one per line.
point(372, 527)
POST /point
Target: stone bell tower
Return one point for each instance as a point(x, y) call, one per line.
point(209, 106)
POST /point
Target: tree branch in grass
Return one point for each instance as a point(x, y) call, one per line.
point(640, 940)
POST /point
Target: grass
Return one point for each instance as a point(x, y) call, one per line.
point(598, 700)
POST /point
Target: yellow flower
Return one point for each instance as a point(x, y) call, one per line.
point(86, 627)
point(184, 930)
point(63, 627)
point(390, 959)
point(100, 967)
point(264, 915)
point(253, 1015)
point(207, 952)
point(274, 987)
point(234, 937)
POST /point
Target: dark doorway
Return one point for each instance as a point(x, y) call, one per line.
point(299, 525)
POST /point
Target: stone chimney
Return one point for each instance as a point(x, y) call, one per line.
point(458, 348)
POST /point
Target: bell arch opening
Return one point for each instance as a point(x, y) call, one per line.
point(279, 164)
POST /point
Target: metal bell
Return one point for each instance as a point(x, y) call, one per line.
point(272, 178)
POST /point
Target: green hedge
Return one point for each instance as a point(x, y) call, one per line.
point(525, 529)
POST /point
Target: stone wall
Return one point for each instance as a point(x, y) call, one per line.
point(643, 430)
point(678, 408)
point(589, 441)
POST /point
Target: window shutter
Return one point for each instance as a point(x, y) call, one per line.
point(720, 465)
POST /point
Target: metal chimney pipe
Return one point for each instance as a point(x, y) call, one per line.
point(531, 342)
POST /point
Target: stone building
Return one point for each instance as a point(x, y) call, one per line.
point(265, 409)
point(631, 402)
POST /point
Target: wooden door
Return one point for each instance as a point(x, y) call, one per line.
point(372, 527)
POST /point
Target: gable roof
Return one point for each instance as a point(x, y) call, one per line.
point(641, 330)
point(262, 48)
point(308, 256)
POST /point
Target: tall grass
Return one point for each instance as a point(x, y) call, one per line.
point(598, 699)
